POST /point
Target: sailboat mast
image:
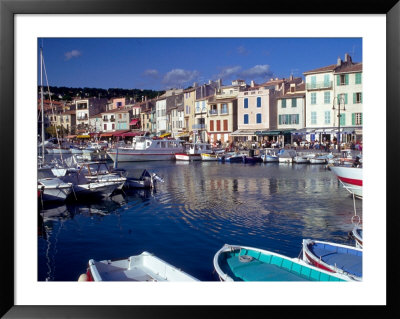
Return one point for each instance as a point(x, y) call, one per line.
point(41, 99)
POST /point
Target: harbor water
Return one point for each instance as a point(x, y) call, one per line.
point(188, 218)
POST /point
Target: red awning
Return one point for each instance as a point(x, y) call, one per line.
point(94, 134)
point(119, 133)
point(133, 134)
point(106, 134)
point(134, 121)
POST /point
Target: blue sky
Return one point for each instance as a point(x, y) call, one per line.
point(163, 63)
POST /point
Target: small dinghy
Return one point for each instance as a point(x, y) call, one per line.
point(240, 263)
point(336, 258)
point(143, 267)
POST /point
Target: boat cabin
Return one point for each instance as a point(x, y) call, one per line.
point(198, 148)
point(143, 143)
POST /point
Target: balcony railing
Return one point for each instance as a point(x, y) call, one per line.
point(319, 85)
point(112, 119)
point(82, 118)
point(213, 112)
point(105, 119)
point(198, 126)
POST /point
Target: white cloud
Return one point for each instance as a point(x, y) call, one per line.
point(72, 54)
point(151, 73)
point(257, 71)
point(229, 71)
point(178, 77)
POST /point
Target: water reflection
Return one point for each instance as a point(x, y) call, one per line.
point(200, 207)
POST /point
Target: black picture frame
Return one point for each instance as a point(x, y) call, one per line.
point(9, 8)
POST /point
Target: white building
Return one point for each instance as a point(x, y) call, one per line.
point(328, 90)
point(161, 116)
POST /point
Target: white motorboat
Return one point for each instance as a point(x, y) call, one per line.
point(298, 159)
point(143, 267)
point(286, 156)
point(147, 149)
point(350, 177)
point(52, 188)
point(317, 159)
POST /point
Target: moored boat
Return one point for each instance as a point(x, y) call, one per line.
point(143, 267)
point(241, 263)
point(142, 179)
point(336, 258)
point(298, 159)
point(193, 151)
point(209, 157)
point(51, 187)
point(269, 155)
point(147, 149)
point(350, 177)
point(286, 156)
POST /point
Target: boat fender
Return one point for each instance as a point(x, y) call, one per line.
point(83, 277)
point(245, 258)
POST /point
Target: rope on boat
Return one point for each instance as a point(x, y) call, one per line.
point(355, 217)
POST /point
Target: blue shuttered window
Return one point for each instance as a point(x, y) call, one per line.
point(246, 103)
point(258, 101)
point(258, 118)
point(246, 119)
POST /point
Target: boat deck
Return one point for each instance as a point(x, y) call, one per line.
point(346, 259)
point(269, 268)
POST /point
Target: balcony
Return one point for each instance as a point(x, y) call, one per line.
point(82, 118)
point(199, 126)
point(319, 85)
point(112, 119)
point(213, 112)
point(105, 119)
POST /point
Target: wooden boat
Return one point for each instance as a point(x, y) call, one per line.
point(269, 155)
point(143, 267)
point(357, 234)
point(236, 158)
point(241, 263)
point(350, 177)
point(336, 258)
point(209, 157)
point(193, 151)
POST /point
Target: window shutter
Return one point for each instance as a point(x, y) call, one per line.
point(361, 119)
point(353, 119)
point(246, 103)
point(338, 80)
point(297, 118)
point(346, 79)
point(345, 98)
point(361, 97)
point(342, 119)
point(258, 101)
point(280, 119)
point(354, 98)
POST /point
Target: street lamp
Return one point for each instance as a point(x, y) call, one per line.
point(339, 99)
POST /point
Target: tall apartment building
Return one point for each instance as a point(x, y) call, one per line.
point(332, 89)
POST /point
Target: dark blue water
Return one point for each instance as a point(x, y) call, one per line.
point(200, 207)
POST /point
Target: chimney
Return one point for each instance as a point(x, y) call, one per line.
point(219, 83)
point(209, 81)
point(276, 79)
point(252, 84)
point(145, 98)
point(291, 77)
point(142, 98)
point(339, 61)
point(195, 84)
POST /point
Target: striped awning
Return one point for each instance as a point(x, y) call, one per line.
point(83, 136)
